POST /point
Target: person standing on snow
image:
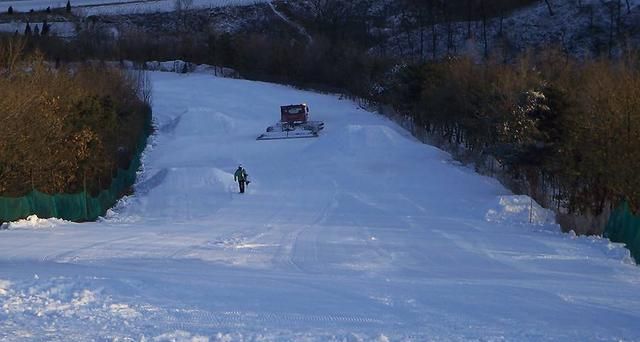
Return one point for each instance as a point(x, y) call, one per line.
point(241, 177)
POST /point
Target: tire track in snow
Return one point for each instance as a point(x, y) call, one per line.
point(189, 319)
point(311, 245)
point(77, 251)
point(284, 254)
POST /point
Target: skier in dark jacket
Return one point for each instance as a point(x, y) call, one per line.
point(241, 177)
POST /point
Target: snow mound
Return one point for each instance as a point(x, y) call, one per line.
point(203, 121)
point(196, 180)
point(372, 136)
point(182, 192)
point(613, 250)
point(34, 222)
point(52, 298)
point(354, 139)
point(519, 209)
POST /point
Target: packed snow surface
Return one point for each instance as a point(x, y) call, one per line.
point(362, 234)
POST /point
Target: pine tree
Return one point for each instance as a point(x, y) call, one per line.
point(10, 10)
point(27, 30)
point(36, 30)
point(48, 10)
point(68, 7)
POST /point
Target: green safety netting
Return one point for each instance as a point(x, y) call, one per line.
point(79, 206)
point(624, 227)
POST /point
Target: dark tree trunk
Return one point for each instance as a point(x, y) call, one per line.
point(549, 6)
point(445, 13)
point(468, 19)
point(421, 23)
point(434, 35)
point(618, 16)
point(484, 28)
point(611, 28)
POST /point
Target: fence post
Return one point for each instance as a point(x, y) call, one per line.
point(531, 210)
point(84, 186)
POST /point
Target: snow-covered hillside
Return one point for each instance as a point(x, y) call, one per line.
point(580, 27)
point(94, 7)
point(361, 234)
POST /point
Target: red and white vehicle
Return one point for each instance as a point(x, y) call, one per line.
point(294, 123)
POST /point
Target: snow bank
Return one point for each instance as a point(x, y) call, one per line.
point(180, 66)
point(54, 297)
point(33, 222)
point(520, 209)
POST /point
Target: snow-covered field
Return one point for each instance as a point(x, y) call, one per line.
point(362, 234)
point(95, 7)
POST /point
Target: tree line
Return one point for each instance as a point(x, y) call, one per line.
point(574, 125)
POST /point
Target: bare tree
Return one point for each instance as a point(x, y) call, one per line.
point(426, 12)
point(483, 10)
point(181, 8)
point(469, 11)
point(619, 16)
point(142, 83)
point(407, 27)
point(549, 7)
point(434, 32)
point(182, 5)
point(447, 19)
point(331, 16)
point(419, 14)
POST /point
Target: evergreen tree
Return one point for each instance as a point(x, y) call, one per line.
point(48, 10)
point(27, 30)
point(68, 7)
point(36, 30)
point(10, 10)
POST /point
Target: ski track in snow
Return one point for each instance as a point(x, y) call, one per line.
point(362, 234)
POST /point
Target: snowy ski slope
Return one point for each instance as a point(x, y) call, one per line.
point(362, 234)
